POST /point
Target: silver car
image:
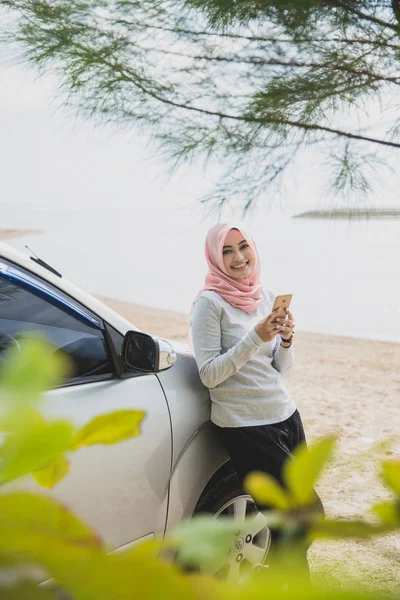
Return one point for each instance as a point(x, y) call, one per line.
point(176, 468)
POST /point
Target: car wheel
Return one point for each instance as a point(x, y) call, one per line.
point(225, 497)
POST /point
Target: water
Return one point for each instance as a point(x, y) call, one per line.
point(344, 275)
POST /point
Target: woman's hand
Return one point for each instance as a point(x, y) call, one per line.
point(272, 325)
point(286, 325)
point(268, 328)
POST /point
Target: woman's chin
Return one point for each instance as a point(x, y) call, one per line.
point(245, 274)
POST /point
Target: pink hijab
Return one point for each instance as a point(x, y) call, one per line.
point(242, 293)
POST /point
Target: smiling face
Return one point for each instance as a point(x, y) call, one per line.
point(239, 259)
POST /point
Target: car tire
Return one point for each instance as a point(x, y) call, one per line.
point(224, 496)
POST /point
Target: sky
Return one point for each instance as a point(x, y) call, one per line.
point(50, 156)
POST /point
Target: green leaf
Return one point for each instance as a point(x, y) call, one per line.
point(391, 475)
point(52, 473)
point(40, 528)
point(122, 577)
point(302, 471)
point(388, 512)
point(21, 418)
point(25, 590)
point(109, 429)
point(33, 444)
point(266, 490)
point(26, 373)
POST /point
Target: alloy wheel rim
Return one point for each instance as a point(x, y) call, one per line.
point(251, 545)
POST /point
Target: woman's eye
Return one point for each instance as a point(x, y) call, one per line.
point(244, 246)
point(225, 251)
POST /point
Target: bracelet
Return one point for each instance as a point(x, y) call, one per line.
point(286, 347)
point(289, 341)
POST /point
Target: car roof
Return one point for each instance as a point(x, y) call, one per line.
point(23, 260)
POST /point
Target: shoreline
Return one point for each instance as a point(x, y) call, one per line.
point(180, 322)
point(146, 317)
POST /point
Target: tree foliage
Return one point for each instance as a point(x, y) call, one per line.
point(242, 84)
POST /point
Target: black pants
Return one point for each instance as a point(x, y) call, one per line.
point(264, 448)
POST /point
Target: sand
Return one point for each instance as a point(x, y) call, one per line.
point(165, 323)
point(346, 386)
point(8, 234)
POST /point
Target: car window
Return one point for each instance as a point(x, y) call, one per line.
point(25, 310)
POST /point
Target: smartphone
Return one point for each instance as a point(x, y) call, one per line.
point(282, 302)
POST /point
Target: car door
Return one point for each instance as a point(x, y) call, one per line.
point(120, 490)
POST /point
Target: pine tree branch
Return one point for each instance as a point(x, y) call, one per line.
point(109, 68)
point(396, 9)
point(287, 122)
point(289, 64)
point(256, 38)
point(364, 16)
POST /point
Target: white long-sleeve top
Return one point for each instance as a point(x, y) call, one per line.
point(243, 373)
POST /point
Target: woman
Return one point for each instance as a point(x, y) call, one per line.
point(242, 349)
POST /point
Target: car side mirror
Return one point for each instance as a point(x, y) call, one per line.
point(142, 352)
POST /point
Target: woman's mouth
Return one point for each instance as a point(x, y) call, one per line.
point(241, 266)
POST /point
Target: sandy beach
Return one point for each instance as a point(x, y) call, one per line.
point(346, 386)
point(343, 385)
point(8, 234)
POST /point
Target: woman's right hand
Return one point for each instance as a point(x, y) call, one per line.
point(268, 328)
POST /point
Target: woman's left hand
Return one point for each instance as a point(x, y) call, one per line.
point(285, 325)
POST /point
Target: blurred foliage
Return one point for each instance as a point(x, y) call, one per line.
point(42, 539)
point(245, 84)
point(33, 444)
